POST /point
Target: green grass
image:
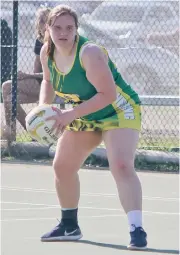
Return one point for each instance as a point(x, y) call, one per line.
point(156, 144)
point(23, 137)
point(159, 144)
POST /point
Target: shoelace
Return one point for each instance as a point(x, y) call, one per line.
point(59, 223)
point(138, 230)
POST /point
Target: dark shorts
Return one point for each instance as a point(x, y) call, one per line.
point(39, 80)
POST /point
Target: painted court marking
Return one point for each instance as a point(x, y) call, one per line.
point(80, 207)
point(118, 212)
point(171, 199)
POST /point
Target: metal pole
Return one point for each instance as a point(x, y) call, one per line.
point(14, 66)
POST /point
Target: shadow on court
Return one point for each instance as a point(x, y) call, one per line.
point(123, 247)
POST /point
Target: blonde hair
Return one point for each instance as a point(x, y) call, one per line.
point(56, 12)
point(41, 17)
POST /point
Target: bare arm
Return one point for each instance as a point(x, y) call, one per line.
point(47, 93)
point(98, 73)
point(37, 70)
point(37, 65)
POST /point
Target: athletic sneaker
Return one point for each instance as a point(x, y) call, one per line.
point(62, 233)
point(138, 239)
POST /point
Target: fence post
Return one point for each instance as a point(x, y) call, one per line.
point(14, 67)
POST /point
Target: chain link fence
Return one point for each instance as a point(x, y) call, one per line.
point(141, 38)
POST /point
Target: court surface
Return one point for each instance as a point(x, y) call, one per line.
point(30, 208)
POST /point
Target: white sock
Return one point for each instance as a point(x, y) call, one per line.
point(134, 219)
point(67, 209)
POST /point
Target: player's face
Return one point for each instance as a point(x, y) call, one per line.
point(63, 30)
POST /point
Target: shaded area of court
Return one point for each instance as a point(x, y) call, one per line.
point(30, 208)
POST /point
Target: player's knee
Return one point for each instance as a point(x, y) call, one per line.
point(6, 88)
point(61, 169)
point(123, 167)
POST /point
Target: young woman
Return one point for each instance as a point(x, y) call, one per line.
point(105, 108)
point(28, 85)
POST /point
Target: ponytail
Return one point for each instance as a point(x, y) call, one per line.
point(51, 46)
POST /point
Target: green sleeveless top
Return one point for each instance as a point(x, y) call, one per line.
point(75, 88)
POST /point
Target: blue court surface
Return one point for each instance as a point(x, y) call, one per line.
point(30, 208)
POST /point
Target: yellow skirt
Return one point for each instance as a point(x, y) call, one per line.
point(118, 120)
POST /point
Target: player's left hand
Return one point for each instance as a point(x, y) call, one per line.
point(62, 119)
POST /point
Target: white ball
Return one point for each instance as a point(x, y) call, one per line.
point(38, 127)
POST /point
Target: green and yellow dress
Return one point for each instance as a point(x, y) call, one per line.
point(74, 87)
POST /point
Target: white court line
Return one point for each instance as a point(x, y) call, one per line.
point(29, 208)
point(107, 173)
point(27, 189)
point(24, 203)
point(90, 208)
point(89, 217)
point(27, 219)
point(86, 217)
point(171, 199)
point(104, 172)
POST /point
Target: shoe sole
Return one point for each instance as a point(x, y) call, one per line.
point(61, 238)
point(136, 248)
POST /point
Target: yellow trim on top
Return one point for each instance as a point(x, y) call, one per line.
point(117, 110)
point(100, 46)
point(57, 80)
point(54, 63)
point(61, 82)
point(126, 96)
point(80, 60)
point(52, 73)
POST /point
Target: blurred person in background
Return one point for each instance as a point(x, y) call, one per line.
point(6, 51)
point(28, 85)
